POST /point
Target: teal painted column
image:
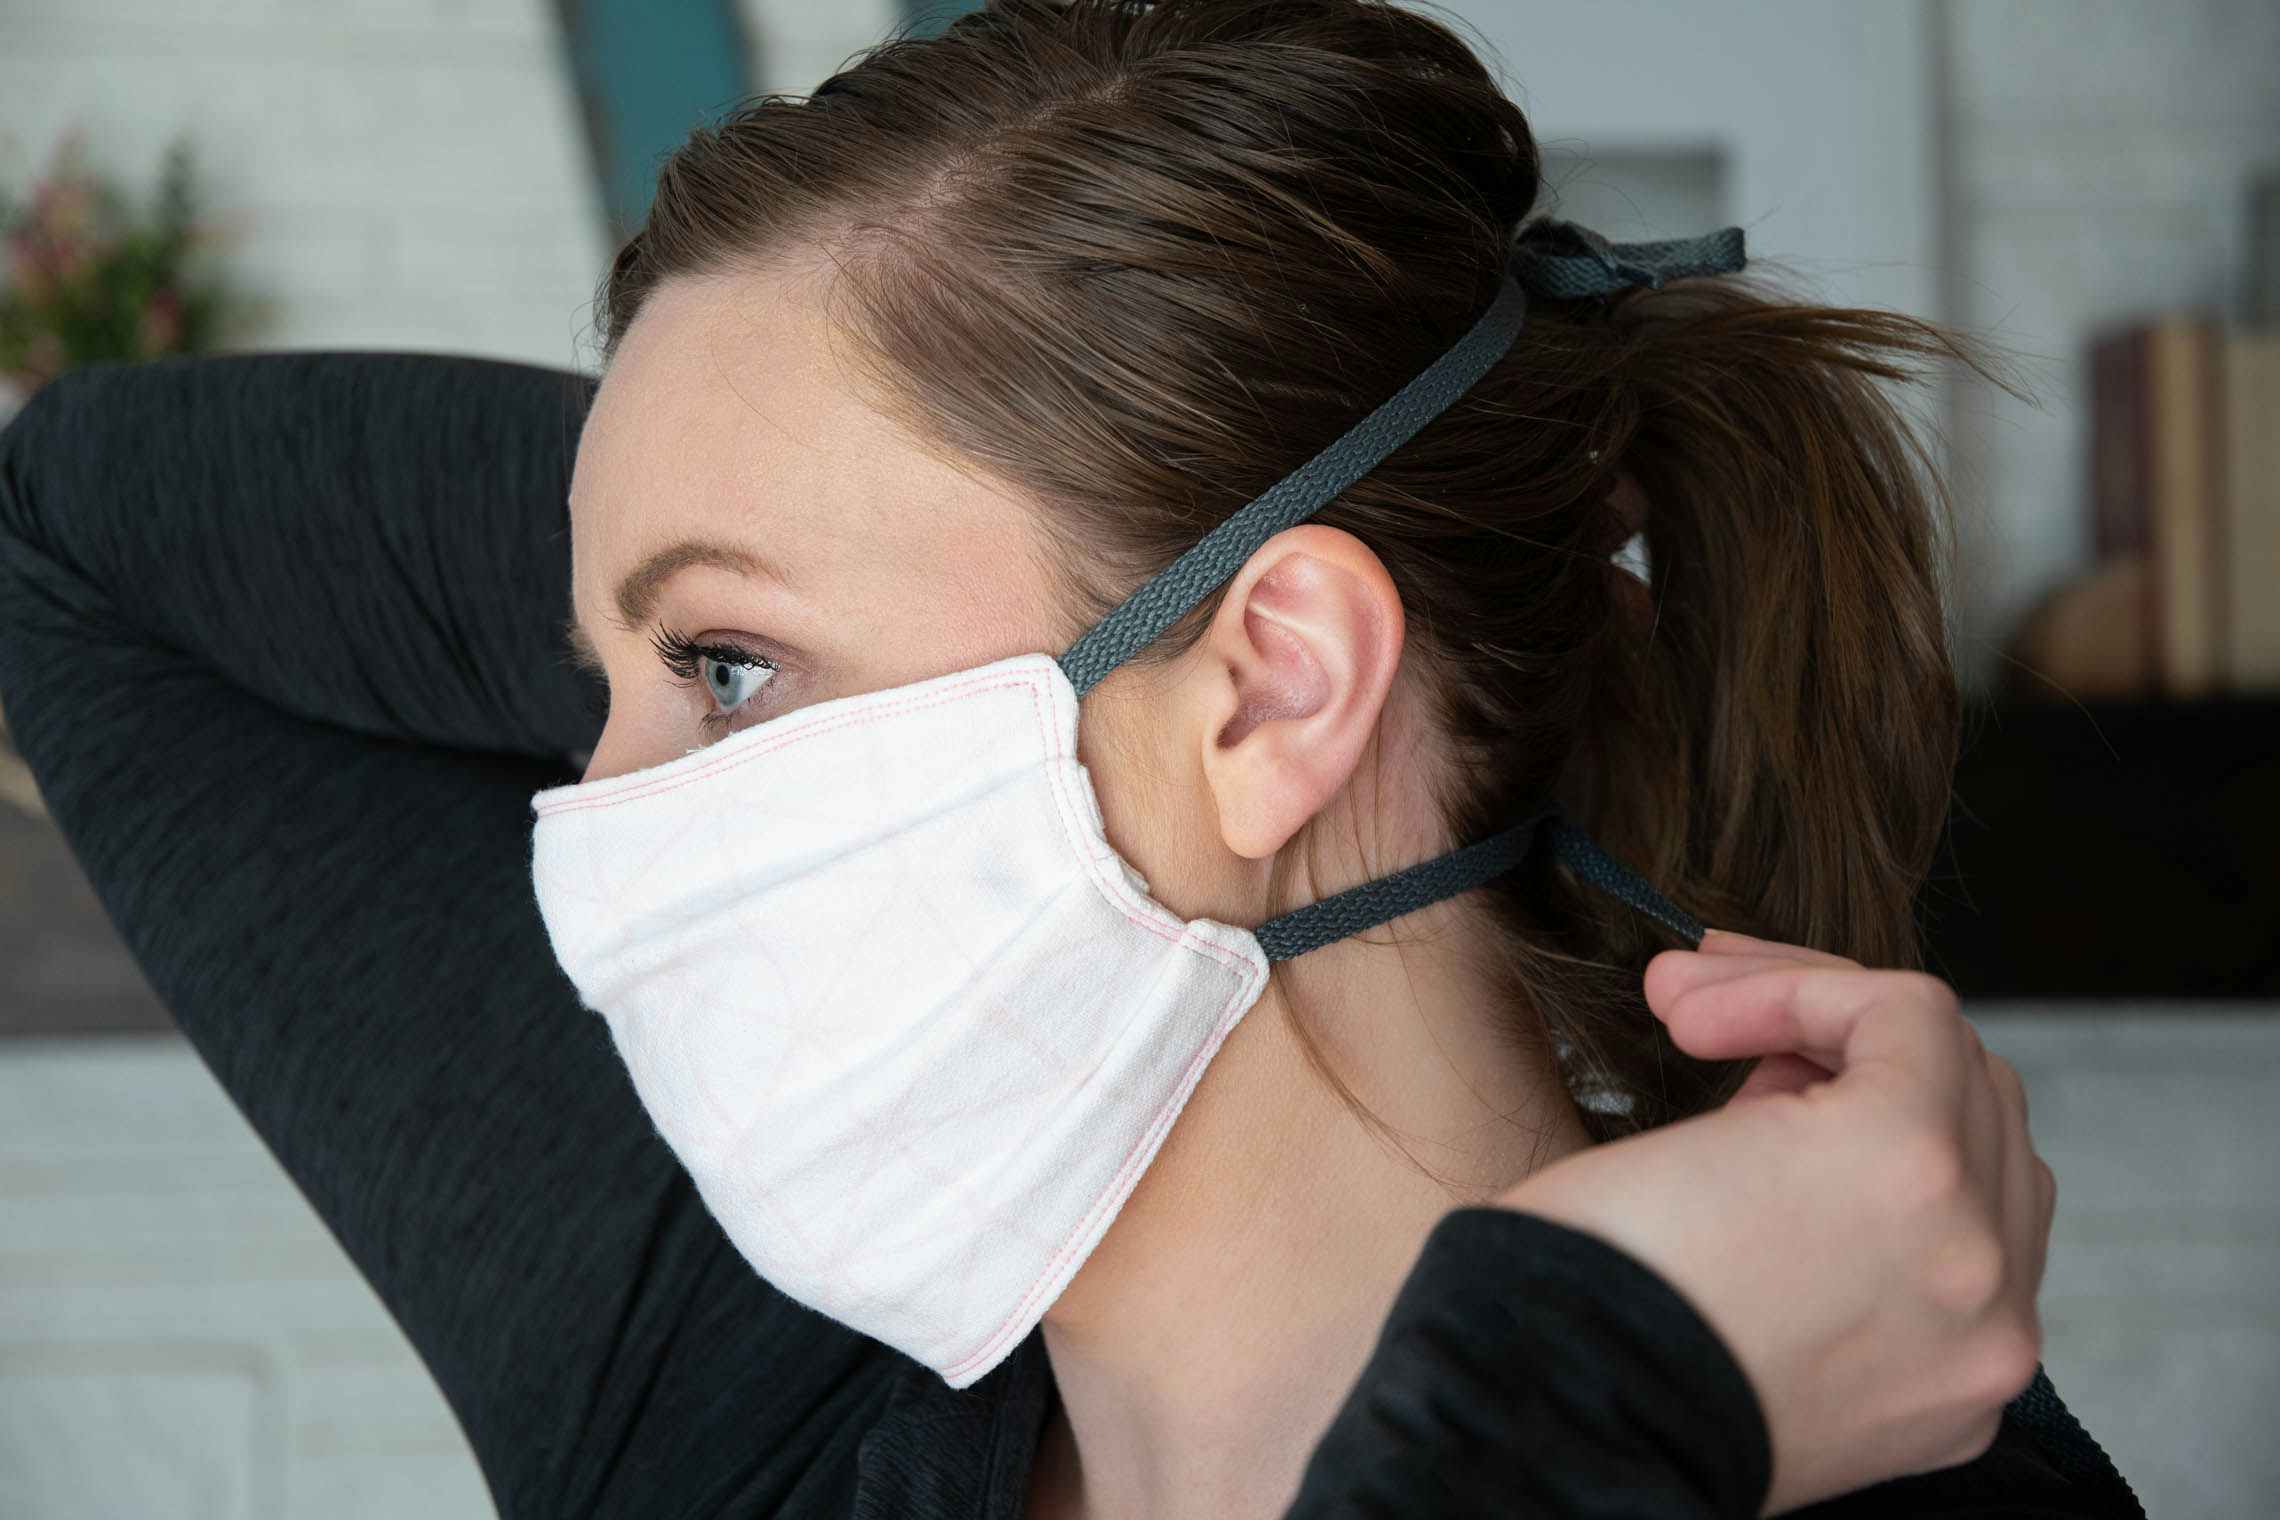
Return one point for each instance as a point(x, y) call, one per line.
point(647, 72)
point(929, 17)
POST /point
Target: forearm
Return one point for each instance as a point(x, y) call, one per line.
point(374, 541)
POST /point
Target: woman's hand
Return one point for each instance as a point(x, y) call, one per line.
point(1864, 1224)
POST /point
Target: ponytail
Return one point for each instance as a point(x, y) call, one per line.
point(1771, 735)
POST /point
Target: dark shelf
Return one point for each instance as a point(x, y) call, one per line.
point(2107, 851)
point(2112, 850)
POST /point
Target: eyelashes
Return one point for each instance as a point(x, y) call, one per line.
point(685, 659)
point(680, 655)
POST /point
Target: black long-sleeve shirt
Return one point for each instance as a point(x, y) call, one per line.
point(278, 639)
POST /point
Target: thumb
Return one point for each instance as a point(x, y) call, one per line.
point(1783, 1072)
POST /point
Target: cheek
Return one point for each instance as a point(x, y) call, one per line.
point(611, 755)
point(1148, 793)
point(633, 742)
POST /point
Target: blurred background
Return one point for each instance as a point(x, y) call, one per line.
point(2093, 183)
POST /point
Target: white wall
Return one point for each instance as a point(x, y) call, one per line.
point(2028, 168)
point(409, 173)
point(399, 173)
point(2101, 150)
point(1821, 112)
point(180, 1336)
point(797, 44)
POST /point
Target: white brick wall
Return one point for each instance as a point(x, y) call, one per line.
point(2101, 150)
point(399, 173)
point(181, 1338)
point(2161, 1295)
point(410, 173)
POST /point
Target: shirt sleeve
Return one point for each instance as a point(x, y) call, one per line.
point(378, 542)
point(1529, 1369)
point(1532, 1371)
point(279, 640)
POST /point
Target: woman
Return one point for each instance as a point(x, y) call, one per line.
point(903, 386)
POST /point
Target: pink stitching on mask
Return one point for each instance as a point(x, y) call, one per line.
point(1146, 1143)
point(634, 791)
point(1114, 887)
point(1149, 1138)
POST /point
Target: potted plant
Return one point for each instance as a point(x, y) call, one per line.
point(87, 278)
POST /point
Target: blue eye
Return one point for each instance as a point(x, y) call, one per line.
point(728, 674)
point(731, 683)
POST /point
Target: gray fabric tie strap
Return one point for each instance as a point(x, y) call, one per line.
point(1388, 897)
point(1544, 252)
point(1562, 261)
point(1556, 260)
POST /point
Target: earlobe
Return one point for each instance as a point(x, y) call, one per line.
point(1307, 641)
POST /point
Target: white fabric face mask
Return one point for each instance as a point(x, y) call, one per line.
point(889, 993)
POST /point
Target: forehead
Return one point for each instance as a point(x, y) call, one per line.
point(731, 412)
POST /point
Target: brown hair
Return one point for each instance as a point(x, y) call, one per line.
point(1142, 261)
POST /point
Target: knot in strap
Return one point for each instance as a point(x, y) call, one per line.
point(1563, 261)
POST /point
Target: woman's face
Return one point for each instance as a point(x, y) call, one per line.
point(749, 536)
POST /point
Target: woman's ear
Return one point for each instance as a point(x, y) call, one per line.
point(1295, 672)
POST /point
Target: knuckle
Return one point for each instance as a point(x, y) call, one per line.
point(1981, 1439)
point(1930, 1165)
point(1968, 1275)
point(2007, 1077)
point(2012, 1354)
point(1928, 990)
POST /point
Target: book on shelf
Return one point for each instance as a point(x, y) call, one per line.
point(2263, 264)
point(2184, 508)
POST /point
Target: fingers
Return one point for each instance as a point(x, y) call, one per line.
point(1724, 955)
point(2007, 1080)
point(1721, 1008)
point(2031, 1188)
point(1727, 942)
point(1783, 1073)
point(2047, 1182)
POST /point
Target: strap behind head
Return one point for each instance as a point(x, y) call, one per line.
point(1551, 258)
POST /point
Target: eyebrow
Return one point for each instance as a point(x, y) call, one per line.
point(638, 592)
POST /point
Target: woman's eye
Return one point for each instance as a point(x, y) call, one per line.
point(732, 682)
point(729, 673)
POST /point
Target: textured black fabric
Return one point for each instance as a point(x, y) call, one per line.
point(279, 640)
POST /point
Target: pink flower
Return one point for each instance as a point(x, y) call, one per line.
point(27, 271)
point(161, 326)
point(66, 256)
point(65, 208)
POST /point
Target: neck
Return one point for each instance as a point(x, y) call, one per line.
point(1219, 1325)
